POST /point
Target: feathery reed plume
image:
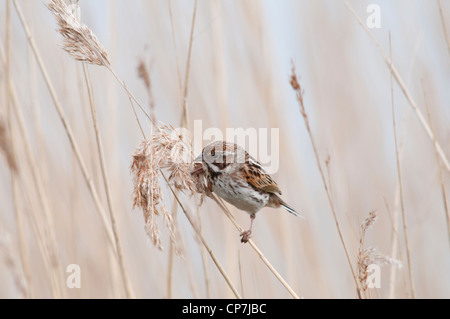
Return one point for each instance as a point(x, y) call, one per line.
point(6, 147)
point(166, 149)
point(79, 41)
point(369, 256)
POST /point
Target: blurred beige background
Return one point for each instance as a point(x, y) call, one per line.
point(239, 77)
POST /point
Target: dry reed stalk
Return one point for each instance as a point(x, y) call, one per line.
point(42, 224)
point(149, 160)
point(7, 144)
point(11, 262)
point(202, 239)
point(6, 147)
point(405, 91)
point(299, 94)
point(444, 27)
point(165, 149)
point(5, 139)
point(184, 117)
point(174, 43)
point(124, 275)
point(180, 243)
point(151, 226)
point(240, 275)
point(204, 261)
point(69, 133)
point(399, 176)
point(65, 123)
point(255, 248)
point(82, 44)
point(49, 243)
point(143, 175)
point(171, 254)
point(369, 256)
point(24, 260)
point(394, 240)
point(144, 75)
point(441, 173)
point(142, 194)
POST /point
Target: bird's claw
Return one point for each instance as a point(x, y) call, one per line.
point(245, 236)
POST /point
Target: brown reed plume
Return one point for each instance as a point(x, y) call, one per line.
point(82, 44)
point(370, 256)
point(166, 149)
point(79, 41)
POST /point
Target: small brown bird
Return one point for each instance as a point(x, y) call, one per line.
point(239, 179)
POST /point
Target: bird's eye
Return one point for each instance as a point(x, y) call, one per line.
point(213, 151)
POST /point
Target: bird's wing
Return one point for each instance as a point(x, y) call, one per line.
point(256, 177)
point(265, 183)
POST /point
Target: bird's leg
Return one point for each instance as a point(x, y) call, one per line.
point(246, 235)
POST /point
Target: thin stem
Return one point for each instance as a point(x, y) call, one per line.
point(174, 44)
point(444, 27)
point(130, 95)
point(184, 118)
point(203, 254)
point(299, 93)
point(48, 249)
point(441, 173)
point(125, 279)
point(402, 199)
point(256, 249)
point(172, 249)
point(13, 168)
point(202, 239)
point(66, 125)
point(403, 87)
point(394, 219)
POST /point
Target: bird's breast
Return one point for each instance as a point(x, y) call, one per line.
point(240, 194)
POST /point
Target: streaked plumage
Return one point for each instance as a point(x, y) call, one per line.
point(240, 180)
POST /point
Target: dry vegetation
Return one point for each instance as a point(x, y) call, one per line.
point(90, 174)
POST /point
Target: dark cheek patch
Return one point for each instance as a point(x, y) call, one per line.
point(222, 165)
point(223, 162)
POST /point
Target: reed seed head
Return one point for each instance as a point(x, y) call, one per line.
point(166, 150)
point(78, 40)
point(369, 256)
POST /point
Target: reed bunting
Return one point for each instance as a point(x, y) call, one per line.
point(235, 176)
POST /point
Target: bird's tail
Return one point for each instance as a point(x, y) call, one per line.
point(288, 208)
